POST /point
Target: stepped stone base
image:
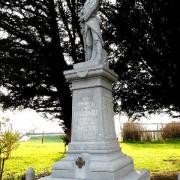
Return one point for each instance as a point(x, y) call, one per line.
point(94, 152)
point(109, 166)
point(135, 175)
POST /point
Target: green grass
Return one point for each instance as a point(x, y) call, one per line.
point(34, 154)
point(157, 157)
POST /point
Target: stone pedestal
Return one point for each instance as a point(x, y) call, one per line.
point(94, 152)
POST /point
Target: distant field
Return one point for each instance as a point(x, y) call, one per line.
point(157, 157)
point(48, 138)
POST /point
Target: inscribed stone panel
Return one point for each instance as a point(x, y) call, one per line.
point(85, 116)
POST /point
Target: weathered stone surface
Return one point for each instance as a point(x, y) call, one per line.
point(30, 174)
point(94, 152)
point(90, 28)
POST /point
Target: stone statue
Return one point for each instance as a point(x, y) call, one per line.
point(93, 43)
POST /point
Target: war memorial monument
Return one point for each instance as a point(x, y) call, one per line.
point(94, 152)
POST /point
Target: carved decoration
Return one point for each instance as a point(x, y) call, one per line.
point(80, 162)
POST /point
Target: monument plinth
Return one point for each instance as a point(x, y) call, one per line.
point(94, 152)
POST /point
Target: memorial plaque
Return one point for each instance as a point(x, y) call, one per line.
point(85, 118)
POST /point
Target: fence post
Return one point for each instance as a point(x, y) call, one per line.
point(42, 141)
point(30, 174)
point(157, 132)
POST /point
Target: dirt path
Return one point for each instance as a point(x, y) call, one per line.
point(172, 176)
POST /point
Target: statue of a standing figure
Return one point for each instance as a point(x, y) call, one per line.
point(91, 31)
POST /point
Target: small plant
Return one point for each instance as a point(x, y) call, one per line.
point(8, 141)
point(171, 131)
point(65, 140)
point(12, 176)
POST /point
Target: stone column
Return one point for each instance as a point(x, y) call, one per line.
point(93, 117)
point(94, 152)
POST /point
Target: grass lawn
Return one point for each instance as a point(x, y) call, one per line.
point(35, 154)
point(157, 157)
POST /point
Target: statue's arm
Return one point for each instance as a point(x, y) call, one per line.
point(90, 9)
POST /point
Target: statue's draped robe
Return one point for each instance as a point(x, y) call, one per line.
point(91, 21)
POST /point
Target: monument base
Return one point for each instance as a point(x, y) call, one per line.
point(94, 152)
point(105, 166)
point(135, 175)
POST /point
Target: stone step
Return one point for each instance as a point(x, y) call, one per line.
point(51, 178)
point(137, 175)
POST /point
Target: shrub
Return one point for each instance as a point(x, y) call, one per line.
point(171, 131)
point(132, 132)
point(65, 140)
point(12, 176)
point(8, 142)
point(147, 136)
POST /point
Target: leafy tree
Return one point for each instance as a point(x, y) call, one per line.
point(146, 40)
point(44, 39)
point(33, 55)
